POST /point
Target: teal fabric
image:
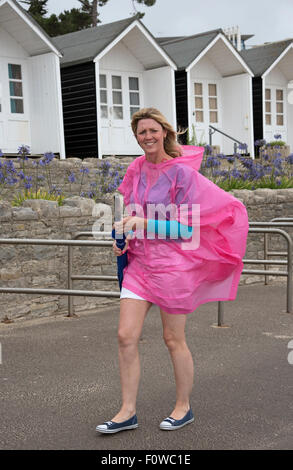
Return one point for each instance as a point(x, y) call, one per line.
point(171, 228)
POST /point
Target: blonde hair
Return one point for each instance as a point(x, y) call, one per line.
point(171, 145)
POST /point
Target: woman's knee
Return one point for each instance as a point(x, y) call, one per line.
point(173, 340)
point(127, 338)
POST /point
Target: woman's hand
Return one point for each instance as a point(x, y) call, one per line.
point(117, 251)
point(125, 225)
point(130, 223)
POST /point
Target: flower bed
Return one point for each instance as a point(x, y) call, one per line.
point(53, 179)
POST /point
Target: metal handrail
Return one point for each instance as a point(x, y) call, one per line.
point(70, 244)
point(71, 277)
point(221, 132)
point(266, 242)
point(287, 273)
point(213, 129)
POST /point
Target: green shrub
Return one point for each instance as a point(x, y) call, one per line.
point(19, 198)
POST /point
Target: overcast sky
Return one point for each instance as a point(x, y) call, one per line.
point(268, 20)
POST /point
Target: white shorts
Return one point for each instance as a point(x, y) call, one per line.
point(127, 294)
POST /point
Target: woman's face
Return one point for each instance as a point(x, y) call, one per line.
point(150, 136)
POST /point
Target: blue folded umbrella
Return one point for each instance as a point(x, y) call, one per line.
point(121, 260)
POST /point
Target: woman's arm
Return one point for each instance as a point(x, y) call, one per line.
point(169, 228)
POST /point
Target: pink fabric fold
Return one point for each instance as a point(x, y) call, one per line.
point(175, 274)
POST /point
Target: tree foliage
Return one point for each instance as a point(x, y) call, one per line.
point(36, 7)
point(68, 21)
point(91, 8)
point(148, 3)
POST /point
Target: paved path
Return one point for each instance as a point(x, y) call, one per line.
point(59, 378)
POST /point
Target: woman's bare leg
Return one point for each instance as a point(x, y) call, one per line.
point(132, 315)
point(174, 337)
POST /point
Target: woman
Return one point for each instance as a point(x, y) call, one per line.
point(198, 260)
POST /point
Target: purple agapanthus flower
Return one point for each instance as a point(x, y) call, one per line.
point(247, 163)
point(236, 173)
point(277, 162)
point(10, 166)
point(23, 152)
point(212, 162)
point(84, 170)
point(48, 157)
point(71, 178)
point(242, 147)
point(260, 143)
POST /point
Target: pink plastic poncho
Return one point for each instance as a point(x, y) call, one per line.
point(167, 272)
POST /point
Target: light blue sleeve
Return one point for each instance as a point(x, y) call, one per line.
point(170, 228)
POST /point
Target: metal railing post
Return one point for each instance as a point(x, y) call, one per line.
point(266, 248)
point(70, 283)
point(210, 136)
point(220, 313)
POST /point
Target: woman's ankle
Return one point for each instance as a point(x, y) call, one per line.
point(124, 413)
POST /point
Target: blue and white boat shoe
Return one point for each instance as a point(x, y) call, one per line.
point(110, 427)
point(171, 424)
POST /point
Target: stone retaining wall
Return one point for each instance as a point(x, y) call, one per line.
point(46, 266)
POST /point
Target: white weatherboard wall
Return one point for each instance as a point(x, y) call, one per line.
point(204, 69)
point(237, 111)
point(159, 92)
point(120, 59)
point(276, 79)
point(205, 72)
point(9, 47)
point(290, 115)
point(45, 104)
point(14, 128)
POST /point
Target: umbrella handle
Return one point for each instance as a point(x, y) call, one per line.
point(120, 242)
